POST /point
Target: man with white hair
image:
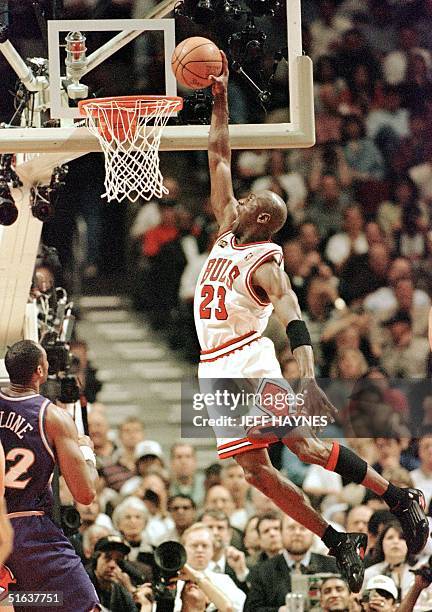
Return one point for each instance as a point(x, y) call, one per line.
point(130, 519)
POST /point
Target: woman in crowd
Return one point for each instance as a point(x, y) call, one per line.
point(391, 558)
point(130, 519)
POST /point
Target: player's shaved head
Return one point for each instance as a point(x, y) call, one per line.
point(272, 204)
point(259, 216)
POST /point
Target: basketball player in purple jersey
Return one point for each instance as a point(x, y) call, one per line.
point(36, 435)
point(241, 283)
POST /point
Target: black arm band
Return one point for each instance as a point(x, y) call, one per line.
point(298, 334)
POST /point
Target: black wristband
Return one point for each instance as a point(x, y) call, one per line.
point(298, 334)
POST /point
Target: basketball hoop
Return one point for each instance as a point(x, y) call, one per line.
point(129, 130)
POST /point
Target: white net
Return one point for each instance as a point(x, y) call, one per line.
point(129, 131)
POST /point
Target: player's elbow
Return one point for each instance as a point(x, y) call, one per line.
point(85, 495)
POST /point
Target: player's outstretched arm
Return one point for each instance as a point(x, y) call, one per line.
point(219, 152)
point(74, 455)
point(276, 284)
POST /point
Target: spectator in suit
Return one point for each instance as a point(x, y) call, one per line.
point(251, 540)
point(226, 559)
point(269, 528)
point(271, 581)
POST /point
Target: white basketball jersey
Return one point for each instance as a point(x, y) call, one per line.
point(228, 312)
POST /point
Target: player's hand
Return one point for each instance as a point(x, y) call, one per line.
point(85, 441)
point(6, 533)
point(220, 83)
point(316, 402)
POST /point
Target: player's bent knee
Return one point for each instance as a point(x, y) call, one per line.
point(310, 450)
point(260, 476)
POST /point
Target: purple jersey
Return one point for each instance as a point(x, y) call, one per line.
point(29, 458)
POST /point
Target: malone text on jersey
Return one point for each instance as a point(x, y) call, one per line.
point(15, 422)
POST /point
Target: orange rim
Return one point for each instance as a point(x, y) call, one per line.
point(150, 104)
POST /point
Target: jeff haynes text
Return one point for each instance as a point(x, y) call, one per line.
point(315, 421)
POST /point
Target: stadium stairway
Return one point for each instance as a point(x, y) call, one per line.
point(141, 376)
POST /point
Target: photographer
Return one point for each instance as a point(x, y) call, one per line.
point(380, 595)
point(423, 579)
point(112, 585)
point(220, 590)
point(84, 370)
point(179, 587)
point(193, 599)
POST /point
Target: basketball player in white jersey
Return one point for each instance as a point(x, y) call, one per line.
point(242, 282)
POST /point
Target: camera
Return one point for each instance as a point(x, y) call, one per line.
point(8, 209)
point(43, 197)
point(425, 571)
point(169, 558)
point(248, 43)
point(62, 385)
point(70, 520)
point(57, 353)
point(196, 109)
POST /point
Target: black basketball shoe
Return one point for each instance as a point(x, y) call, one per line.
point(410, 513)
point(349, 554)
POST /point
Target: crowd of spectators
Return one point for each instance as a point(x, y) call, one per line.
point(242, 553)
point(357, 243)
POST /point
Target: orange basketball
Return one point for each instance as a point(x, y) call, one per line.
point(194, 59)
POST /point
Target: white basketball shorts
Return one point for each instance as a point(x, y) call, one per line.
point(255, 361)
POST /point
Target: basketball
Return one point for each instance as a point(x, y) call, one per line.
point(194, 59)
